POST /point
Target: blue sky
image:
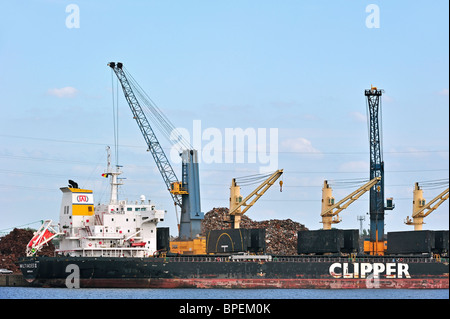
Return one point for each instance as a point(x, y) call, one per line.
point(298, 66)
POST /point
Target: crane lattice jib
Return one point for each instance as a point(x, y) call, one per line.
point(154, 147)
point(349, 199)
point(251, 199)
point(437, 201)
point(376, 193)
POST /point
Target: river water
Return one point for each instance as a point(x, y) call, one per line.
point(103, 293)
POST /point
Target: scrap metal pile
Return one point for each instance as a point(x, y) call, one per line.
point(12, 247)
point(281, 235)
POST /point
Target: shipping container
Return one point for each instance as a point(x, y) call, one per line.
point(235, 240)
point(351, 241)
point(257, 240)
point(328, 241)
point(441, 242)
point(410, 242)
point(320, 241)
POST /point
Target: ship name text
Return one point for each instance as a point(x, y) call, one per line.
point(363, 270)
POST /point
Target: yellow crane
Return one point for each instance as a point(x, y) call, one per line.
point(421, 209)
point(330, 209)
point(239, 206)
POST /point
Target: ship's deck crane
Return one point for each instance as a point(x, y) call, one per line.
point(239, 206)
point(185, 193)
point(421, 209)
point(330, 210)
point(376, 194)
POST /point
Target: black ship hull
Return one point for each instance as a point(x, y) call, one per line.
point(221, 272)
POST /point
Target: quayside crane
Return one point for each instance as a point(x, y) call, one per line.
point(377, 207)
point(330, 209)
point(239, 206)
point(185, 193)
point(421, 209)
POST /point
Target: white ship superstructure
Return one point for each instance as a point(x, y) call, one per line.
point(118, 229)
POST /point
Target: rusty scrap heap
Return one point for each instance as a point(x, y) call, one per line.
point(281, 235)
point(12, 247)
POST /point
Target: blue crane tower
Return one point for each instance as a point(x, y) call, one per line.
point(185, 194)
point(376, 193)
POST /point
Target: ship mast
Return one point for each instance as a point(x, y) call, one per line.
point(114, 180)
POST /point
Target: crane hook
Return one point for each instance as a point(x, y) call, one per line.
point(281, 186)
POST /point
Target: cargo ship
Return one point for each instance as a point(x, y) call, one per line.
point(119, 245)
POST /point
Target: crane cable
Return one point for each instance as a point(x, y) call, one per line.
point(347, 183)
point(115, 102)
point(434, 184)
point(159, 118)
point(252, 179)
point(37, 221)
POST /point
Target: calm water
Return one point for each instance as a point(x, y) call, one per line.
point(84, 293)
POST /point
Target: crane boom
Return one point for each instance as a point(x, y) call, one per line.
point(236, 210)
point(153, 144)
point(438, 200)
point(331, 209)
point(422, 210)
point(185, 193)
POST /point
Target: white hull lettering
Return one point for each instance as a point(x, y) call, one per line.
point(375, 270)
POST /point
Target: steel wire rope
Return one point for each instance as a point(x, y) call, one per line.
point(113, 111)
point(368, 121)
point(64, 161)
point(19, 226)
point(381, 128)
point(252, 179)
point(151, 103)
point(151, 112)
point(347, 183)
point(434, 184)
point(164, 128)
point(232, 151)
point(162, 124)
point(160, 119)
point(117, 121)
